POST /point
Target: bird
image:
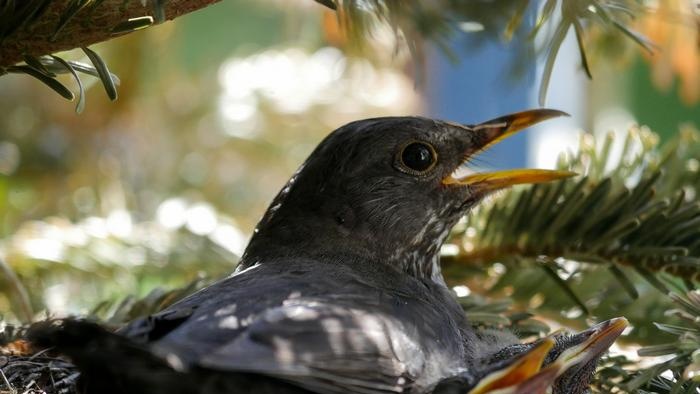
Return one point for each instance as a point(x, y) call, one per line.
point(340, 289)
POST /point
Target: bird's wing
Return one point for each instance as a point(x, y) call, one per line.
point(324, 347)
point(310, 324)
point(152, 327)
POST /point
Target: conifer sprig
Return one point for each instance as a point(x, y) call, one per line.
point(639, 212)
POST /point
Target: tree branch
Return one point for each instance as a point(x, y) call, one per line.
point(41, 27)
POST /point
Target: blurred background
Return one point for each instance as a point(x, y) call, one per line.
point(216, 109)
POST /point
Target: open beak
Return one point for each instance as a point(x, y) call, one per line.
point(527, 376)
point(489, 133)
point(522, 369)
point(600, 337)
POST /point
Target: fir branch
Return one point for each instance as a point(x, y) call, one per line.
point(438, 21)
point(46, 69)
point(500, 314)
point(42, 27)
point(31, 30)
point(681, 366)
point(643, 213)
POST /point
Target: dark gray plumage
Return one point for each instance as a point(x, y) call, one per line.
point(340, 288)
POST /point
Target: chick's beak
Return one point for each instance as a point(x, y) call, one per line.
point(495, 130)
point(599, 339)
point(527, 375)
point(523, 369)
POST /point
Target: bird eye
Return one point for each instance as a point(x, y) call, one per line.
point(417, 157)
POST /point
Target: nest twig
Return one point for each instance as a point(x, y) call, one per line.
point(36, 374)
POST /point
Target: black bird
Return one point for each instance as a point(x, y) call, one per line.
point(340, 290)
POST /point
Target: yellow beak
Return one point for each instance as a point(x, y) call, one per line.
point(523, 368)
point(495, 130)
point(526, 375)
point(602, 336)
point(501, 179)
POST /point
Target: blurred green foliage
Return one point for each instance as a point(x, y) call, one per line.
point(167, 182)
point(662, 111)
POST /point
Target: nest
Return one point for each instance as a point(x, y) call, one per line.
point(37, 374)
point(26, 370)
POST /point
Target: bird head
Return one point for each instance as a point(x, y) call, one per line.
point(557, 364)
point(386, 189)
